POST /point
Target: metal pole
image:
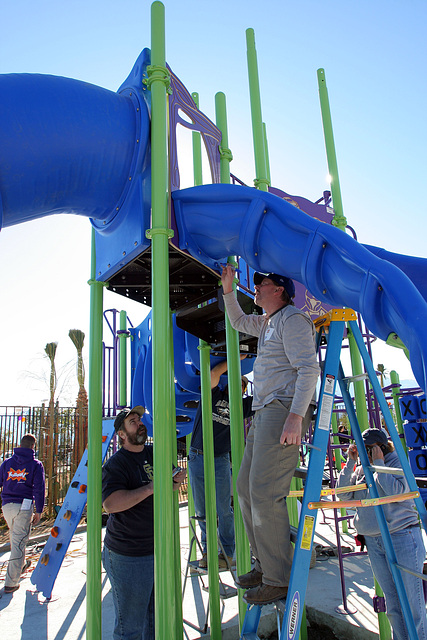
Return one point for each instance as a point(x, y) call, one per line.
point(339, 219)
point(179, 623)
point(394, 378)
point(210, 498)
point(358, 386)
point(234, 381)
point(198, 180)
point(267, 157)
point(197, 150)
point(261, 181)
point(164, 587)
point(123, 359)
point(94, 500)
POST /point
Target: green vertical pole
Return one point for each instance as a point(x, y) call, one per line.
point(210, 499)
point(383, 623)
point(197, 150)
point(261, 182)
point(267, 157)
point(358, 385)
point(123, 360)
point(243, 556)
point(339, 219)
point(177, 542)
point(163, 424)
point(338, 461)
point(243, 560)
point(394, 378)
point(198, 180)
point(340, 222)
point(225, 153)
point(191, 510)
point(94, 500)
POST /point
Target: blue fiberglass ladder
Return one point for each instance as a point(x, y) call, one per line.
point(336, 320)
point(67, 520)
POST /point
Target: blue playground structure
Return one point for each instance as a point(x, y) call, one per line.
point(104, 174)
point(80, 149)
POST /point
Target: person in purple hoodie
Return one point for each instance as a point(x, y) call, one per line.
point(23, 488)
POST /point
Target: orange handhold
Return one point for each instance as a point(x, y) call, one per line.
point(83, 488)
point(54, 532)
point(68, 514)
point(45, 559)
point(104, 438)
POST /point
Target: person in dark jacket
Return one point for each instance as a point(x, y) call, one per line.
point(222, 449)
point(23, 489)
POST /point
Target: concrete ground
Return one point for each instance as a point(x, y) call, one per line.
point(26, 615)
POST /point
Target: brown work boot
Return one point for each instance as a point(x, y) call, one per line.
point(203, 562)
point(265, 593)
point(222, 562)
point(248, 580)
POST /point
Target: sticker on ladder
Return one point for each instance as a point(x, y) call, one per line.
point(329, 384)
point(326, 412)
point(307, 532)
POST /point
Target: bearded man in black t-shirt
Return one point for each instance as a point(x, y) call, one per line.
point(128, 554)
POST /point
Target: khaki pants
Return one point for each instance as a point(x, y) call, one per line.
point(19, 523)
point(262, 485)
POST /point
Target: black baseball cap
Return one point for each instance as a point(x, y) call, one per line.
point(282, 281)
point(118, 422)
point(374, 436)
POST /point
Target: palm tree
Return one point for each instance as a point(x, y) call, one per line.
point(383, 373)
point(50, 350)
point(77, 337)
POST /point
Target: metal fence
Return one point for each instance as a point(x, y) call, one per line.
point(68, 442)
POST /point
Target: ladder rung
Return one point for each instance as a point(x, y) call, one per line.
point(330, 492)
point(366, 502)
point(420, 576)
point(396, 471)
point(358, 378)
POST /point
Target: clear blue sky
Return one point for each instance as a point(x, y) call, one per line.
point(374, 55)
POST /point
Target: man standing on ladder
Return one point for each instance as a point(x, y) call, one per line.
point(285, 377)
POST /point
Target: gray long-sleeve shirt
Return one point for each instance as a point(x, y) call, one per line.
point(286, 366)
point(399, 515)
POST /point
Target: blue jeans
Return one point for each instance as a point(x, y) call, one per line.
point(132, 585)
point(223, 497)
point(409, 549)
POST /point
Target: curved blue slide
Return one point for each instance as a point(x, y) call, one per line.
point(271, 235)
point(68, 146)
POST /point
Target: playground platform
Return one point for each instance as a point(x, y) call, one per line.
point(26, 615)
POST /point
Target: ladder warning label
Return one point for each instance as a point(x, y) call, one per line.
point(307, 532)
point(329, 384)
point(326, 412)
